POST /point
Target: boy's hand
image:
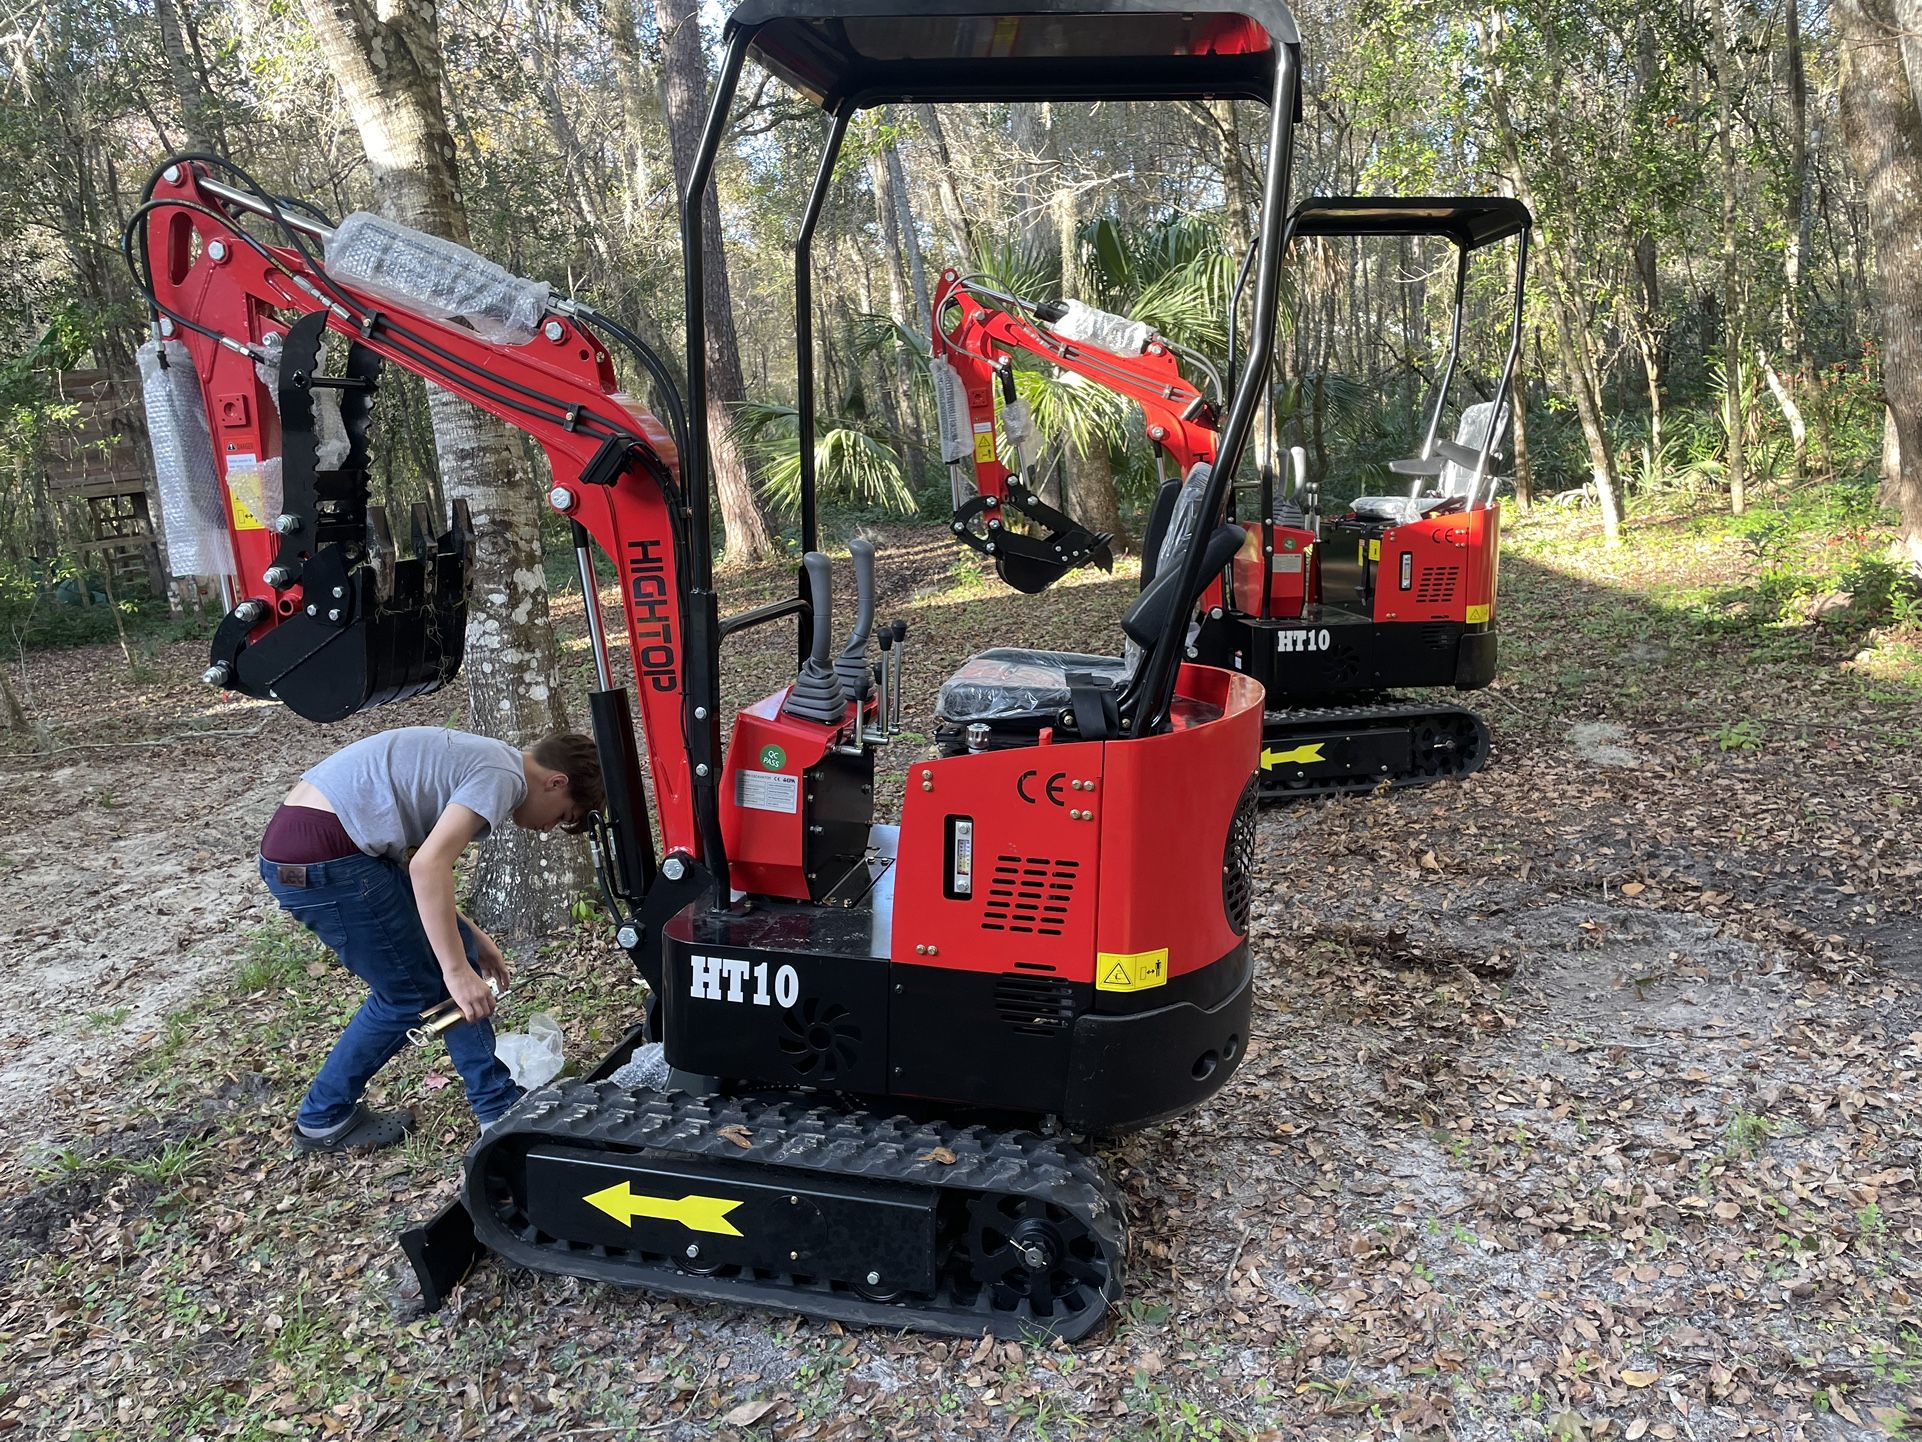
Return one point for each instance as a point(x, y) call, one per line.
point(470, 994)
point(490, 958)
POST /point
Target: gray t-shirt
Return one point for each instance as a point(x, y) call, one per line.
point(389, 790)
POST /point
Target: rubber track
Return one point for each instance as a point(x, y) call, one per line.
point(788, 1135)
point(1275, 729)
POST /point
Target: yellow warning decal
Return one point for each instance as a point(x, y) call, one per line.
point(696, 1213)
point(1477, 615)
point(248, 488)
point(1374, 550)
point(1130, 970)
point(1270, 759)
point(983, 446)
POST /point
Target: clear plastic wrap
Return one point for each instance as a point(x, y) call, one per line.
point(191, 510)
point(1187, 512)
point(256, 490)
point(438, 277)
point(1008, 682)
point(535, 1056)
point(1115, 333)
point(331, 443)
point(1472, 431)
point(646, 1070)
point(951, 411)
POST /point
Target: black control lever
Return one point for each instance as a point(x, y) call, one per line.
point(899, 631)
point(852, 664)
point(816, 693)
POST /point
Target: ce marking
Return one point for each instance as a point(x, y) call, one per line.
point(1049, 787)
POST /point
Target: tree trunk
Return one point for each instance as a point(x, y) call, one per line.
point(951, 208)
point(1088, 474)
point(901, 307)
point(195, 108)
point(12, 714)
point(1795, 248)
point(1791, 412)
point(1734, 413)
point(389, 74)
point(910, 238)
point(1884, 135)
point(623, 35)
point(1524, 466)
point(742, 520)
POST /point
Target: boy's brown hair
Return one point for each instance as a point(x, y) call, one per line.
point(578, 759)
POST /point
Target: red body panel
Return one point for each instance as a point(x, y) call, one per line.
point(763, 797)
point(1450, 568)
point(1169, 802)
point(1032, 901)
point(1129, 861)
point(1290, 572)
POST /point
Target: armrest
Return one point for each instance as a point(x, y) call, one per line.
point(1467, 457)
point(1416, 466)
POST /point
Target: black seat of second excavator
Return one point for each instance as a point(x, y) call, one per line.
point(1012, 687)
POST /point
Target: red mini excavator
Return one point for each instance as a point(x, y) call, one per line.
point(1328, 614)
point(886, 1037)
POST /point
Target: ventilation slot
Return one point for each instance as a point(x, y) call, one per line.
point(1437, 635)
point(1238, 863)
point(1437, 585)
point(1029, 895)
point(1033, 1005)
point(822, 1040)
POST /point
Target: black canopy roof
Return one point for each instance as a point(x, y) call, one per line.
point(1471, 221)
point(875, 52)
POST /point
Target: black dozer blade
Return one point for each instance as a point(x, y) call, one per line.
point(1032, 562)
point(373, 629)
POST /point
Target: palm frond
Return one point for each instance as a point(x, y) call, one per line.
point(1069, 409)
point(884, 335)
point(850, 464)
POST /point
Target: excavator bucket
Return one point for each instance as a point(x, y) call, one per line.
point(1032, 564)
point(1034, 559)
point(353, 624)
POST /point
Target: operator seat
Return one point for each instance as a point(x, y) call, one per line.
point(1018, 693)
point(1018, 689)
point(1454, 464)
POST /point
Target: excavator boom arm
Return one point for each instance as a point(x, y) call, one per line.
point(326, 616)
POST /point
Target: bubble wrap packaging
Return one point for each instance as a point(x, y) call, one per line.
point(256, 490)
point(425, 273)
point(331, 443)
point(191, 510)
point(1113, 333)
point(951, 411)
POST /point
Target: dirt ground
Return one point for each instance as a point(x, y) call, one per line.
point(1582, 1100)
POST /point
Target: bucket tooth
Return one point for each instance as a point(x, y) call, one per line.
point(425, 544)
point(381, 554)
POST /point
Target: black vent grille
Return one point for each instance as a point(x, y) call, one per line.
point(1030, 895)
point(821, 1040)
point(1437, 585)
point(1437, 635)
point(1035, 1005)
point(1238, 863)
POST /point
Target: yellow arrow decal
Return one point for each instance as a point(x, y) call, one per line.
point(697, 1214)
point(1311, 752)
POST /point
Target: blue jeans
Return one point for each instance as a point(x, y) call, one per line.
point(363, 908)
